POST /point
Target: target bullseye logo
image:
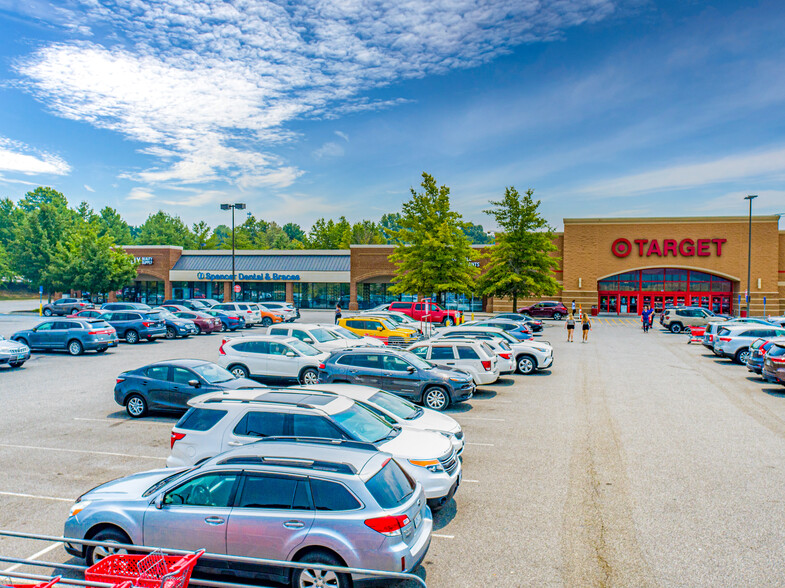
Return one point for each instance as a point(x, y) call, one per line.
point(621, 247)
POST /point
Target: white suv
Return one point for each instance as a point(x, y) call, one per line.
point(472, 356)
point(219, 421)
point(312, 334)
point(529, 355)
point(251, 315)
point(271, 358)
point(398, 411)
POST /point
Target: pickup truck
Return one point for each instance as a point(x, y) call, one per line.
point(428, 311)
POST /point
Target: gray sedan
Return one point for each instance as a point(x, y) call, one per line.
point(12, 353)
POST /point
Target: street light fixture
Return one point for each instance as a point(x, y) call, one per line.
point(233, 207)
point(749, 197)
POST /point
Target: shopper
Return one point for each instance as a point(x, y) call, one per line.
point(585, 327)
point(573, 308)
point(570, 327)
point(645, 318)
point(337, 312)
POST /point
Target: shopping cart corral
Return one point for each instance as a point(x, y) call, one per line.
point(153, 567)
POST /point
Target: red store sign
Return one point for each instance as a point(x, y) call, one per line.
point(685, 248)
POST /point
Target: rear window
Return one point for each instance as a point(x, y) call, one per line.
point(390, 486)
point(332, 496)
point(776, 351)
point(467, 353)
point(200, 419)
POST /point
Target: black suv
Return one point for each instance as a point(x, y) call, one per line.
point(66, 306)
point(399, 372)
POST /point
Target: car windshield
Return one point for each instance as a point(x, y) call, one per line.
point(387, 324)
point(156, 316)
point(345, 333)
point(303, 347)
point(415, 360)
point(214, 374)
point(399, 407)
point(363, 425)
point(322, 335)
point(163, 313)
point(161, 483)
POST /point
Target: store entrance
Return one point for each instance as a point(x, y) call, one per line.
point(660, 288)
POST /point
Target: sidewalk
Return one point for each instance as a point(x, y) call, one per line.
point(27, 304)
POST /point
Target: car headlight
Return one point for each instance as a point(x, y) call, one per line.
point(462, 380)
point(432, 465)
point(79, 507)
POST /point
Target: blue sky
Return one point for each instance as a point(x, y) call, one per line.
point(328, 108)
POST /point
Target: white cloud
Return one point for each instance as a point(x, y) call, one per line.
point(89, 188)
point(342, 135)
point(140, 194)
point(328, 150)
point(210, 87)
point(767, 164)
point(18, 157)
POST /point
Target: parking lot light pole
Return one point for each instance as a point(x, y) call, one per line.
point(233, 207)
point(749, 197)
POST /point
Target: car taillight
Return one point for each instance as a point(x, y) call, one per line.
point(505, 355)
point(148, 323)
point(235, 318)
point(321, 366)
point(725, 339)
point(175, 438)
point(487, 365)
point(221, 348)
point(120, 380)
point(777, 359)
point(390, 526)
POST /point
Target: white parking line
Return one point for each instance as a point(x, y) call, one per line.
point(20, 495)
point(33, 557)
point(481, 444)
point(145, 421)
point(442, 536)
point(474, 418)
point(470, 481)
point(83, 451)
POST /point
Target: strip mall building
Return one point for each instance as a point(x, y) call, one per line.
point(616, 264)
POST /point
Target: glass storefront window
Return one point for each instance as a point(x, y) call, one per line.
point(146, 292)
point(188, 290)
point(652, 280)
point(676, 280)
point(262, 291)
point(321, 295)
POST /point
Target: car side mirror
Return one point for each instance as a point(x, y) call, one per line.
point(290, 354)
point(410, 369)
point(308, 340)
point(194, 383)
point(379, 328)
point(159, 501)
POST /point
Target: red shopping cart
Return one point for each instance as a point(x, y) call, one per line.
point(154, 570)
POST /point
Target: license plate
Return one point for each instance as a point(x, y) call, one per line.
point(19, 358)
point(418, 520)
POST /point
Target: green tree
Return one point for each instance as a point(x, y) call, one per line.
point(41, 196)
point(330, 234)
point(477, 234)
point(111, 223)
point(294, 232)
point(389, 224)
point(520, 262)
point(366, 233)
point(433, 255)
point(201, 232)
point(11, 217)
point(163, 229)
point(5, 265)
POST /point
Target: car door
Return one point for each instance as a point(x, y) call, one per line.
point(366, 369)
point(58, 335)
point(443, 355)
point(254, 425)
point(271, 516)
point(283, 361)
point(254, 355)
point(156, 385)
point(39, 336)
point(180, 391)
point(398, 377)
point(194, 514)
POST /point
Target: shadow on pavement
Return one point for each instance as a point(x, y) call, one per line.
point(484, 394)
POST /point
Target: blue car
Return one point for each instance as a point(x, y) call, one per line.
point(125, 306)
point(518, 330)
point(229, 321)
point(73, 335)
point(175, 326)
point(134, 325)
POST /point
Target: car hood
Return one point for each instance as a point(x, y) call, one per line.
point(415, 444)
point(433, 420)
point(7, 345)
point(241, 383)
point(129, 487)
point(332, 345)
point(448, 372)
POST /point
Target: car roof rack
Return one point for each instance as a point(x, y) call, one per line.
point(348, 443)
point(292, 462)
point(289, 398)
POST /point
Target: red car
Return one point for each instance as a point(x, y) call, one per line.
point(204, 322)
point(92, 313)
point(554, 310)
point(427, 311)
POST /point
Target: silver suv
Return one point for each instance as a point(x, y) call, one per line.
point(328, 502)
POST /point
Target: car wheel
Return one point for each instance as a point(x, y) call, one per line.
point(557, 316)
point(526, 364)
point(47, 312)
point(75, 347)
point(309, 377)
point(267, 321)
point(171, 333)
point(132, 337)
point(448, 322)
point(676, 328)
point(239, 371)
point(16, 364)
point(310, 578)
point(224, 327)
point(198, 330)
point(742, 355)
point(136, 406)
point(98, 552)
point(436, 398)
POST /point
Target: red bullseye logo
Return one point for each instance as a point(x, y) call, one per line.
point(621, 247)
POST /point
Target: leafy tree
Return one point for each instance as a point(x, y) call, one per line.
point(221, 234)
point(201, 232)
point(111, 223)
point(366, 233)
point(163, 229)
point(477, 234)
point(433, 254)
point(5, 265)
point(520, 261)
point(34, 245)
point(84, 212)
point(330, 234)
point(11, 217)
point(294, 232)
point(40, 196)
point(389, 224)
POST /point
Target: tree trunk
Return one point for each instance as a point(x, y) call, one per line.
point(515, 301)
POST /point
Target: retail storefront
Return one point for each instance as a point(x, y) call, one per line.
point(617, 265)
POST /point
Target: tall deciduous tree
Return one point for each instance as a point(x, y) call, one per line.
point(433, 254)
point(163, 229)
point(520, 261)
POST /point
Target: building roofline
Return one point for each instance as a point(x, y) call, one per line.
point(669, 220)
point(267, 252)
point(152, 247)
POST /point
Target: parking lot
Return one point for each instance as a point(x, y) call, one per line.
point(636, 460)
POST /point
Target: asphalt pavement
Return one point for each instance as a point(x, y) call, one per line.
point(637, 460)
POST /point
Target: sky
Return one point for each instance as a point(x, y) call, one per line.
point(321, 108)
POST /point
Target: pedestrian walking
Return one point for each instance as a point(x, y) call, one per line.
point(573, 308)
point(645, 318)
point(585, 327)
point(570, 327)
point(337, 312)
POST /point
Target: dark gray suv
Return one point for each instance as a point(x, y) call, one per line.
point(74, 335)
point(399, 372)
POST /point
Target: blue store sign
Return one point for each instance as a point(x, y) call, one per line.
point(261, 277)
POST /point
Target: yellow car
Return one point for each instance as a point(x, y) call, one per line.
point(380, 329)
